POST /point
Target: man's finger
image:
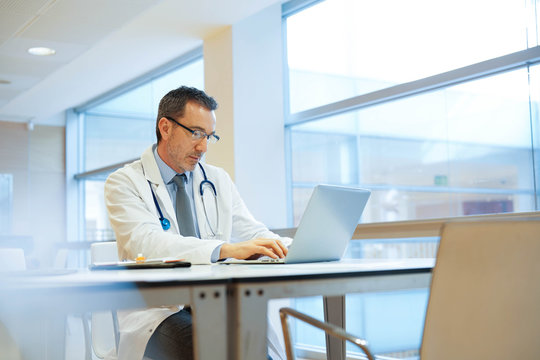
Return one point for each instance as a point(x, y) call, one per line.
point(263, 250)
point(276, 248)
point(283, 247)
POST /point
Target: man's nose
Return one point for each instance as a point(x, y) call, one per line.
point(202, 145)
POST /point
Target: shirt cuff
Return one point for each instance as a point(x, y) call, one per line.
point(215, 254)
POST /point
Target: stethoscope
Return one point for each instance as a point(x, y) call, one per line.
point(166, 224)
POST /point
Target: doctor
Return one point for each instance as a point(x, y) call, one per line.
point(205, 222)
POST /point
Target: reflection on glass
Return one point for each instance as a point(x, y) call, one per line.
point(462, 150)
point(341, 48)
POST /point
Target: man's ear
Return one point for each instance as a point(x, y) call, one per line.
point(165, 128)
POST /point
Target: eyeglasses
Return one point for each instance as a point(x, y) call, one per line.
point(197, 135)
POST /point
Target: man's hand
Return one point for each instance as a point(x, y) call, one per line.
point(253, 249)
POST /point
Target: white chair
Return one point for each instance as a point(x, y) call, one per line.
point(104, 324)
point(484, 298)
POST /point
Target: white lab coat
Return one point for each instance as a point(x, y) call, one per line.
point(135, 220)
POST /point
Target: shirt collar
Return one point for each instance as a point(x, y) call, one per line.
point(165, 170)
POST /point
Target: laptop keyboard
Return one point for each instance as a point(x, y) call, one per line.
point(268, 259)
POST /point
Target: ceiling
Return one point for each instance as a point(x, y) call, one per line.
point(100, 44)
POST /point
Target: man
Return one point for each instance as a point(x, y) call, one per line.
point(151, 218)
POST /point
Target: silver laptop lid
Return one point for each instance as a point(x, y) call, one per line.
point(328, 223)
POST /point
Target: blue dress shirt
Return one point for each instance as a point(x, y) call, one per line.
point(167, 174)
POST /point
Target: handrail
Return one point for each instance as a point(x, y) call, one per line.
point(419, 228)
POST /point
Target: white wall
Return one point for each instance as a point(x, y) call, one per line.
point(218, 82)
point(36, 161)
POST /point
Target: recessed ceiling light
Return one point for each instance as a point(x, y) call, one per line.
point(41, 51)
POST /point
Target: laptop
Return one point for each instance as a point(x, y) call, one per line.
point(327, 225)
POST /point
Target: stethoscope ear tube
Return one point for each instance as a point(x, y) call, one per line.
point(206, 181)
point(214, 192)
point(166, 224)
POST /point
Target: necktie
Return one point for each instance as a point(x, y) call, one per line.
point(183, 207)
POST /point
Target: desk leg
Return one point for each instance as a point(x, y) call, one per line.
point(247, 308)
point(209, 322)
point(334, 313)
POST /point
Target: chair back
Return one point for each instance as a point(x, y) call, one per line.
point(104, 251)
point(485, 294)
point(103, 329)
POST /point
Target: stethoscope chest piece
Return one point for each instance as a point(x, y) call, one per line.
point(165, 223)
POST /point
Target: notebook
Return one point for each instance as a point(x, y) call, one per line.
point(147, 264)
point(326, 227)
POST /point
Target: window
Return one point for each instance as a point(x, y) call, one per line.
point(6, 194)
point(432, 105)
point(462, 150)
point(437, 123)
point(120, 128)
point(117, 129)
point(344, 48)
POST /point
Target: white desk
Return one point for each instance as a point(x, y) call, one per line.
point(226, 299)
point(35, 307)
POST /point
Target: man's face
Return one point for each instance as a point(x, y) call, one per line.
point(177, 148)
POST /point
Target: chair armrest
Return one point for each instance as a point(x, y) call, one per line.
point(327, 327)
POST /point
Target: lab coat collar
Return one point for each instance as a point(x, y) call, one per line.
point(150, 168)
point(152, 174)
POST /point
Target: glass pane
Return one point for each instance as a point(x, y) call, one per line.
point(6, 197)
point(535, 118)
point(391, 322)
point(462, 150)
point(144, 100)
point(97, 224)
point(111, 140)
point(394, 248)
point(120, 129)
point(342, 48)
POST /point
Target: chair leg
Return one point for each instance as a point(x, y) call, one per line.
point(328, 328)
point(289, 348)
point(87, 336)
